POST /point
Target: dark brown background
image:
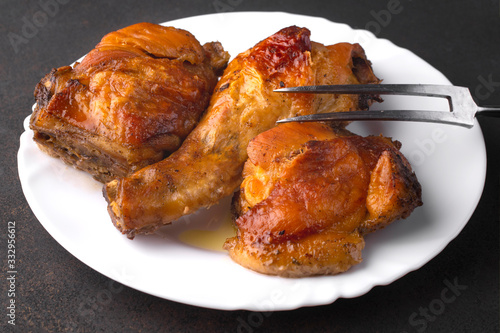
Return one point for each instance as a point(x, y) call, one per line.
point(57, 293)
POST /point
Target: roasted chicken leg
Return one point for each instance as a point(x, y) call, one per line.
point(309, 195)
point(208, 165)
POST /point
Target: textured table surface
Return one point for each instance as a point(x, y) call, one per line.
point(55, 292)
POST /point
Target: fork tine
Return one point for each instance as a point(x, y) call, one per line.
point(396, 115)
point(382, 89)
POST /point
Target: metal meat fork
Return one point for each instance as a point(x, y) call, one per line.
point(462, 112)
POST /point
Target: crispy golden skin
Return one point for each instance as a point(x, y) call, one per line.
point(309, 195)
point(130, 102)
point(209, 163)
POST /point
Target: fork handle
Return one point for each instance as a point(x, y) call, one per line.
point(489, 111)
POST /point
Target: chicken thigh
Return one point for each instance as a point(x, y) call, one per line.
point(309, 195)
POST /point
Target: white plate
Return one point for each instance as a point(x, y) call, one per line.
point(450, 163)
